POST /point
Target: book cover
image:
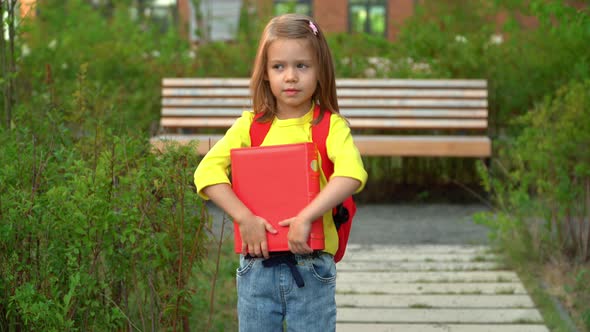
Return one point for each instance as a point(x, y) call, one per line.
point(276, 182)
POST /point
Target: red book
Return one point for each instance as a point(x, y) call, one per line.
point(276, 182)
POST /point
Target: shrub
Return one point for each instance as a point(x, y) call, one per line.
point(547, 174)
point(97, 232)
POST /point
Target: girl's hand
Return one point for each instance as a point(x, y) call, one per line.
point(253, 231)
point(299, 230)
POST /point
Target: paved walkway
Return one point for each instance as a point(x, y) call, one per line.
point(426, 268)
point(431, 288)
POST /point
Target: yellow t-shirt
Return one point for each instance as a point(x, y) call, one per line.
point(214, 168)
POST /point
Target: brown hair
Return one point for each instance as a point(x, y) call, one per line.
point(293, 26)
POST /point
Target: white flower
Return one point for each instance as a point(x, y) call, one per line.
point(191, 54)
point(52, 44)
point(64, 66)
point(156, 54)
point(25, 50)
point(496, 39)
point(370, 72)
point(381, 64)
point(421, 67)
point(460, 39)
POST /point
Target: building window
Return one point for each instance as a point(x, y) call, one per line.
point(219, 20)
point(368, 16)
point(162, 14)
point(292, 6)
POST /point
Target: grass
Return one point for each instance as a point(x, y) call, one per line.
point(548, 285)
point(505, 291)
point(215, 296)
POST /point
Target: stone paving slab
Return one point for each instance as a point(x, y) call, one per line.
point(470, 315)
point(418, 266)
point(420, 288)
point(421, 257)
point(434, 301)
point(422, 248)
point(430, 288)
point(428, 276)
point(441, 328)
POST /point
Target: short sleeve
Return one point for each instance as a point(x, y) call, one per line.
point(343, 152)
point(214, 167)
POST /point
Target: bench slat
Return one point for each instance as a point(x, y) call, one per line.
point(223, 82)
point(342, 93)
point(386, 103)
point(218, 122)
point(418, 123)
point(412, 83)
point(381, 145)
point(424, 146)
point(347, 112)
point(348, 82)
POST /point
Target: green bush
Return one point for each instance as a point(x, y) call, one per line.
point(546, 175)
point(522, 64)
point(97, 232)
point(541, 187)
point(95, 239)
point(127, 56)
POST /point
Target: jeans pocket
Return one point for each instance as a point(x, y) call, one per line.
point(245, 266)
point(324, 268)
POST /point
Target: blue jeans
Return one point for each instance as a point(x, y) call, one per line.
point(267, 296)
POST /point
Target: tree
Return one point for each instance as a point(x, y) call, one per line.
point(7, 57)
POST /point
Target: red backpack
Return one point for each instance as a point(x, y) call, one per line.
point(343, 214)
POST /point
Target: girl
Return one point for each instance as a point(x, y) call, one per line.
point(293, 73)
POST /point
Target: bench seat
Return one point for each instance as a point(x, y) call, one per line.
point(389, 117)
point(376, 145)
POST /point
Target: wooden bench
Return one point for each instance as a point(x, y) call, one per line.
point(389, 117)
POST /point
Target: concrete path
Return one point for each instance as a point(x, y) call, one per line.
point(431, 288)
point(395, 224)
point(425, 268)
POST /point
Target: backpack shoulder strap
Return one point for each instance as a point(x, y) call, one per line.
point(319, 134)
point(258, 130)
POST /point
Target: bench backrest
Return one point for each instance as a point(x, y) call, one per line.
point(380, 104)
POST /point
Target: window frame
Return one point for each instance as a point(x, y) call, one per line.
point(170, 17)
point(297, 2)
point(368, 4)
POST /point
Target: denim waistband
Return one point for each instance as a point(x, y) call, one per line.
point(290, 259)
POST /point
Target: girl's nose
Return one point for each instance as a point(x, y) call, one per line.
point(291, 74)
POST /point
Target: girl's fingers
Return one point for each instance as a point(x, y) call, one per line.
point(264, 247)
point(284, 223)
point(270, 228)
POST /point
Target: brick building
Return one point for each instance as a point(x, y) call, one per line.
point(378, 17)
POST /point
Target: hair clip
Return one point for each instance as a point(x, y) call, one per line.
point(313, 28)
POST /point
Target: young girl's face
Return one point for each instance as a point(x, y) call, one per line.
point(292, 74)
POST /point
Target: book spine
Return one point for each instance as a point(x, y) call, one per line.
point(314, 173)
point(316, 237)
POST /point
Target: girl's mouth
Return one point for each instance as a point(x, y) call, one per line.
point(291, 92)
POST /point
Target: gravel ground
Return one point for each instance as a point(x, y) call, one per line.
point(405, 224)
point(418, 224)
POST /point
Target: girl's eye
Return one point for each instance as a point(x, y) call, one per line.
point(277, 66)
point(302, 65)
